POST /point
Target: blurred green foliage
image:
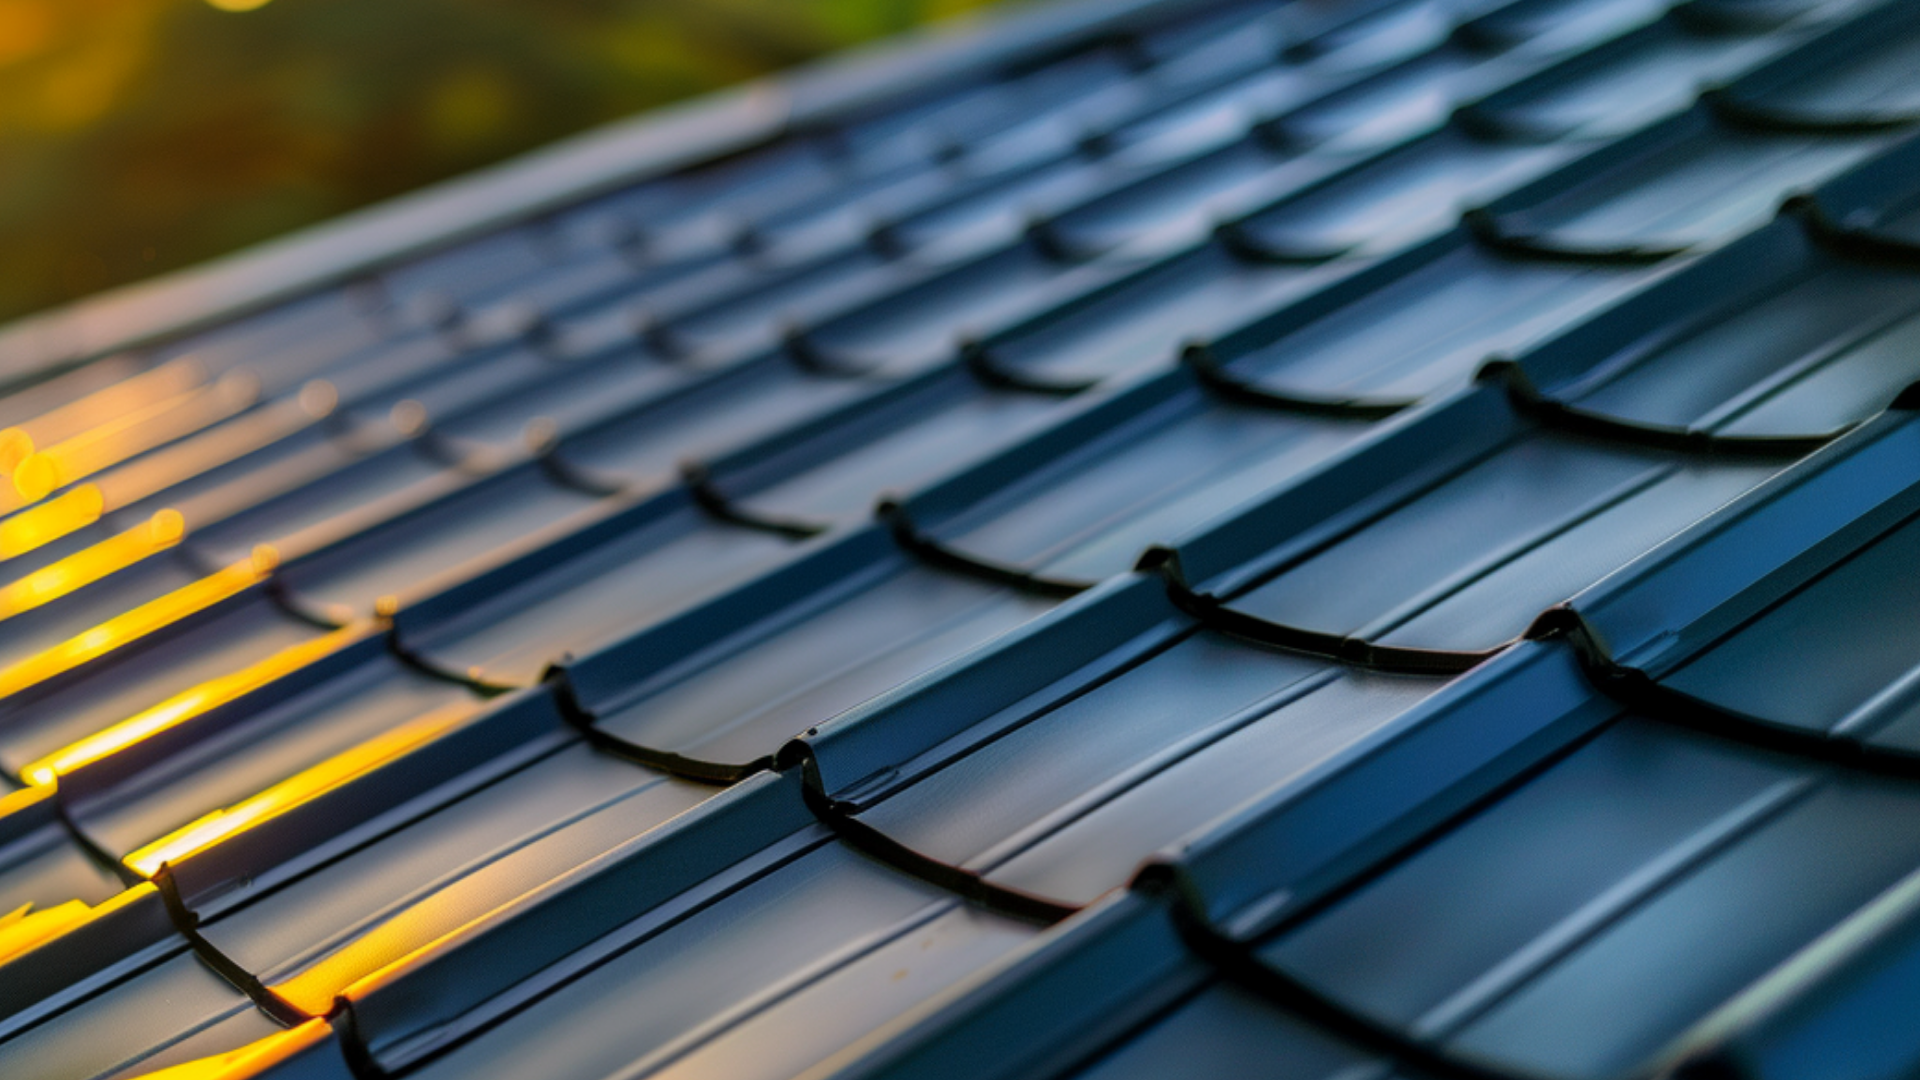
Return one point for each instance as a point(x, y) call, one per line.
point(141, 135)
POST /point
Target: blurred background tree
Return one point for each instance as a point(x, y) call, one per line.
point(141, 135)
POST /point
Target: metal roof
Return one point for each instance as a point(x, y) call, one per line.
point(1208, 538)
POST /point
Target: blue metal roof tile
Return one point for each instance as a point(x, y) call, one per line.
point(348, 566)
point(60, 712)
point(96, 950)
point(631, 564)
point(955, 120)
point(211, 473)
point(315, 814)
point(1092, 844)
point(1625, 816)
point(732, 406)
point(826, 655)
point(1557, 25)
point(1148, 464)
point(718, 988)
point(1365, 33)
point(379, 903)
point(1419, 324)
point(300, 338)
point(897, 445)
point(596, 274)
point(564, 398)
point(146, 584)
point(1468, 562)
point(225, 752)
point(235, 488)
point(45, 867)
point(1138, 321)
point(1871, 205)
point(751, 836)
point(1842, 625)
point(1405, 195)
point(1833, 848)
point(796, 169)
point(735, 319)
point(463, 274)
point(1686, 183)
point(1180, 196)
point(178, 1011)
point(1699, 861)
point(1623, 84)
point(1090, 561)
point(1228, 1033)
point(1777, 336)
point(1387, 107)
point(1851, 75)
point(920, 320)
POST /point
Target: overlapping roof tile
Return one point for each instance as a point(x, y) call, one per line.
point(1223, 538)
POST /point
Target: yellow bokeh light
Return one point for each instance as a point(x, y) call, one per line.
point(237, 5)
point(49, 468)
point(34, 477)
point(103, 430)
point(106, 405)
point(15, 446)
point(44, 524)
point(26, 27)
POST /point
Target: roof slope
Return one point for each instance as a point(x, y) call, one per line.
point(1210, 538)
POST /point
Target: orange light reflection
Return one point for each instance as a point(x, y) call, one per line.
point(23, 928)
point(103, 406)
point(234, 438)
point(302, 787)
point(84, 567)
point(51, 467)
point(250, 1060)
point(184, 706)
point(145, 619)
